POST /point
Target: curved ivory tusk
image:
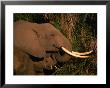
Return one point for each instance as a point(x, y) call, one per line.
point(85, 53)
point(51, 67)
point(72, 54)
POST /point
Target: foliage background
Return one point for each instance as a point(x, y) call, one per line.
point(80, 29)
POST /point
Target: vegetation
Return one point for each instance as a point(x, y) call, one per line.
point(80, 29)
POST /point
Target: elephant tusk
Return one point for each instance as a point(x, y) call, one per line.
point(85, 53)
point(72, 54)
point(51, 67)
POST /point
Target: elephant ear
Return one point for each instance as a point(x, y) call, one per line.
point(27, 40)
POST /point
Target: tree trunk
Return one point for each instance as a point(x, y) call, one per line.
point(68, 23)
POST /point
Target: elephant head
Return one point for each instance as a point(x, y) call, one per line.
point(42, 44)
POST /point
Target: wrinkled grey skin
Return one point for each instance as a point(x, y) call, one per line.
point(41, 41)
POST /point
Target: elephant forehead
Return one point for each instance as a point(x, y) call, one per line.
point(55, 37)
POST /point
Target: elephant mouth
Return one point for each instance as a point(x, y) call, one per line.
point(77, 54)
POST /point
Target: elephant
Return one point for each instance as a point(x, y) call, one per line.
point(24, 65)
point(40, 46)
